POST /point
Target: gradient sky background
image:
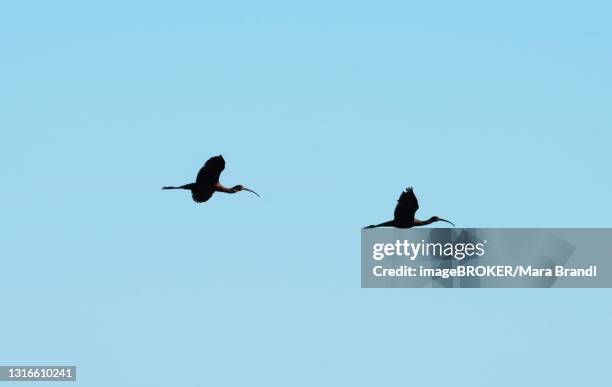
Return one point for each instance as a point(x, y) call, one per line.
point(498, 114)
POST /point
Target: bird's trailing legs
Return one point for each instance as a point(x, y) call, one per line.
point(384, 224)
point(186, 186)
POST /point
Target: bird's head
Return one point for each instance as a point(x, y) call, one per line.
point(438, 219)
point(238, 188)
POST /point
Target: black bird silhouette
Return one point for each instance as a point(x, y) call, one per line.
point(407, 206)
point(207, 181)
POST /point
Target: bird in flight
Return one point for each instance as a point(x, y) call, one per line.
point(207, 181)
point(407, 206)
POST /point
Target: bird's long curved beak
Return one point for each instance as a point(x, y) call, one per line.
point(250, 190)
point(447, 221)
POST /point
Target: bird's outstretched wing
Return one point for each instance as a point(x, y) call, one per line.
point(211, 170)
point(407, 205)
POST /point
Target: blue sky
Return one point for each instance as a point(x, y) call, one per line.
point(498, 115)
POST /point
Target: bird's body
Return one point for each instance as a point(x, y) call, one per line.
point(207, 181)
point(403, 217)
